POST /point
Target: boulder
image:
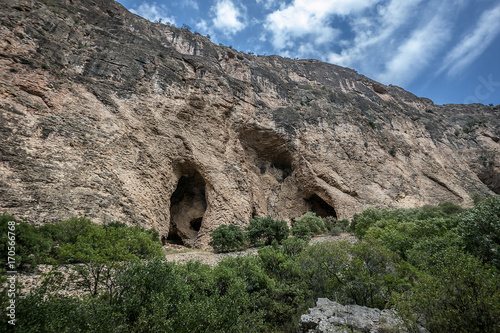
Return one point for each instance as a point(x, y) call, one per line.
point(330, 316)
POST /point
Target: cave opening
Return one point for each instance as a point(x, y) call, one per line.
point(196, 224)
point(491, 178)
point(269, 151)
point(284, 167)
point(187, 208)
point(320, 207)
point(173, 237)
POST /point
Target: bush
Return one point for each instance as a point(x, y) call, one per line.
point(480, 229)
point(457, 293)
point(106, 244)
point(67, 231)
point(362, 222)
point(369, 217)
point(263, 230)
point(32, 248)
point(308, 225)
point(227, 238)
point(400, 237)
point(104, 251)
point(334, 226)
point(364, 273)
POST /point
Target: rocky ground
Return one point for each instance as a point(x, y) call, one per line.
point(213, 259)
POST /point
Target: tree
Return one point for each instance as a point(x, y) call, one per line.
point(454, 293)
point(227, 238)
point(186, 27)
point(480, 229)
point(265, 230)
point(308, 225)
point(31, 247)
point(102, 252)
point(67, 231)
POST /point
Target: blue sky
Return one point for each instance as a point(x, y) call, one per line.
point(447, 50)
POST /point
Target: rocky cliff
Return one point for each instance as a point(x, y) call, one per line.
point(106, 115)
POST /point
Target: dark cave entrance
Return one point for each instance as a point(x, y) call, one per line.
point(173, 237)
point(491, 178)
point(187, 207)
point(320, 207)
point(196, 224)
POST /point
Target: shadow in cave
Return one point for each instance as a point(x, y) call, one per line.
point(269, 151)
point(196, 224)
point(173, 238)
point(320, 207)
point(187, 207)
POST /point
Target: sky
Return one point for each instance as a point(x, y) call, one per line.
point(445, 50)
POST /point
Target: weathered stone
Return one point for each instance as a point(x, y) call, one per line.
point(330, 316)
point(378, 88)
point(103, 114)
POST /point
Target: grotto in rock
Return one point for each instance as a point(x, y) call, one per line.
point(187, 207)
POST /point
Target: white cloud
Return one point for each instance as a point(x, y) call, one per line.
point(190, 3)
point(202, 26)
point(268, 4)
point(399, 40)
point(474, 44)
point(228, 17)
point(309, 18)
point(377, 36)
point(153, 12)
point(416, 52)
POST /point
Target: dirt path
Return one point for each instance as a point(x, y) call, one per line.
point(212, 259)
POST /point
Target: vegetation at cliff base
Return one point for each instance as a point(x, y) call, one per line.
point(427, 263)
point(77, 240)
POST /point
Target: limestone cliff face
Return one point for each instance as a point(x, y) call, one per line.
point(107, 115)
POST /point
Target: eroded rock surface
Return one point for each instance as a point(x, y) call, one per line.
point(107, 115)
point(330, 316)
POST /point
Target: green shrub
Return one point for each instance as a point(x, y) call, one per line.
point(450, 208)
point(294, 246)
point(364, 273)
point(323, 266)
point(335, 231)
point(228, 238)
point(107, 244)
point(480, 229)
point(104, 251)
point(457, 293)
point(31, 247)
point(402, 236)
point(362, 222)
point(334, 226)
point(308, 225)
point(67, 231)
point(263, 230)
point(370, 216)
